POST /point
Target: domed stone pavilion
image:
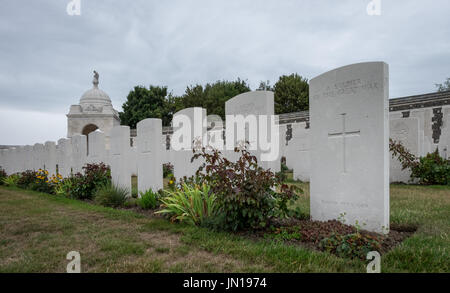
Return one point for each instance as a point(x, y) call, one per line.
point(95, 111)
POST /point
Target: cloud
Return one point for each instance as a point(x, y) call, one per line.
point(18, 127)
point(47, 56)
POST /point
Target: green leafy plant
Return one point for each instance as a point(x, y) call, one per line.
point(41, 182)
point(85, 185)
point(282, 176)
point(63, 187)
point(27, 178)
point(3, 175)
point(429, 170)
point(355, 245)
point(167, 170)
point(284, 167)
point(111, 195)
point(432, 170)
point(148, 199)
point(190, 204)
point(172, 182)
point(247, 195)
point(134, 192)
point(11, 180)
point(284, 234)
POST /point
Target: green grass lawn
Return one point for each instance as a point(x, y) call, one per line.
point(38, 230)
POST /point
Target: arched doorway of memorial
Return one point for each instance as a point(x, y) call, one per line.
point(86, 130)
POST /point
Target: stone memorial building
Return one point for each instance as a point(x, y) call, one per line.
point(95, 111)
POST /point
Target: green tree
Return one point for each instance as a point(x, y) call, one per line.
point(442, 87)
point(213, 96)
point(291, 94)
point(145, 103)
point(265, 86)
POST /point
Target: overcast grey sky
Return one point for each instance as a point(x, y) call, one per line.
point(47, 56)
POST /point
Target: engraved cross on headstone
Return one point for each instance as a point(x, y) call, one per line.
point(344, 134)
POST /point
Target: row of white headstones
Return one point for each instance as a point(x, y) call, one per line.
point(349, 147)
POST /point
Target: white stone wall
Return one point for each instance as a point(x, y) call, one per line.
point(70, 154)
point(423, 134)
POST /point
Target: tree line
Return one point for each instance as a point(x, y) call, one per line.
point(291, 93)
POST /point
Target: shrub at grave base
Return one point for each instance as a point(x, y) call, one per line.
point(172, 183)
point(432, 169)
point(111, 195)
point(429, 170)
point(353, 245)
point(3, 175)
point(167, 170)
point(247, 195)
point(27, 178)
point(63, 187)
point(191, 204)
point(85, 185)
point(284, 168)
point(148, 200)
point(11, 180)
point(41, 182)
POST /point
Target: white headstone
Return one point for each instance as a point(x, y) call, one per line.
point(50, 157)
point(64, 157)
point(350, 145)
point(13, 160)
point(247, 109)
point(97, 147)
point(405, 131)
point(182, 145)
point(79, 153)
point(215, 132)
point(300, 155)
point(38, 153)
point(119, 156)
point(150, 155)
point(28, 155)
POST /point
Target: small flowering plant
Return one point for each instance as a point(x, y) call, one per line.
point(172, 183)
point(42, 182)
point(42, 176)
point(55, 179)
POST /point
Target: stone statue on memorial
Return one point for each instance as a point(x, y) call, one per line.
point(95, 80)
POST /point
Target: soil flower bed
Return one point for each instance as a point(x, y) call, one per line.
point(333, 236)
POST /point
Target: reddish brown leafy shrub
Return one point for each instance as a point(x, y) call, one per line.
point(248, 196)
